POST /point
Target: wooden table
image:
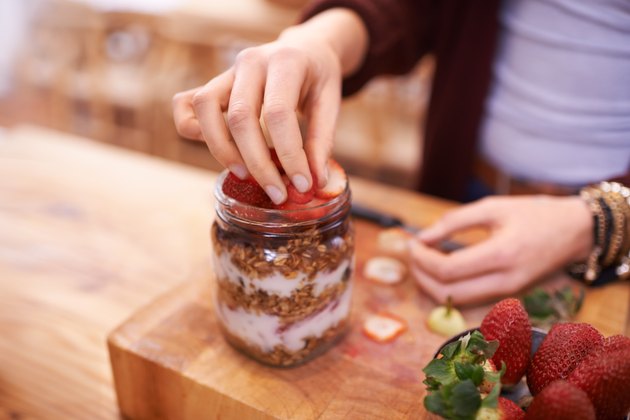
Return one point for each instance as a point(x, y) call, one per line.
point(90, 233)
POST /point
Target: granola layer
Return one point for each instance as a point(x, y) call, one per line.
point(302, 302)
point(310, 253)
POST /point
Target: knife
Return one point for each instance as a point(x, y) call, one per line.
point(389, 221)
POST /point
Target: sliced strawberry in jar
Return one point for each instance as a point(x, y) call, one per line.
point(246, 191)
point(294, 196)
point(337, 181)
point(384, 327)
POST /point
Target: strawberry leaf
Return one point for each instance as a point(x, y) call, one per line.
point(492, 399)
point(466, 399)
point(451, 349)
point(469, 371)
point(441, 371)
point(545, 309)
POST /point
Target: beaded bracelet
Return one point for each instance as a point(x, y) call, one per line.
point(609, 203)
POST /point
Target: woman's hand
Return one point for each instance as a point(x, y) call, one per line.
point(301, 71)
point(529, 236)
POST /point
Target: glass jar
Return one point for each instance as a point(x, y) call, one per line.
point(283, 284)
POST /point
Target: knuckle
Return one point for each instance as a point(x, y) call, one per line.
point(291, 54)
point(201, 97)
point(257, 168)
point(238, 115)
point(247, 56)
point(288, 155)
point(276, 112)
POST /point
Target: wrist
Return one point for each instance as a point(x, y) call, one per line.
point(582, 217)
point(341, 30)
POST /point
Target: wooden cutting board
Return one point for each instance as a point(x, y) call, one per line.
point(170, 360)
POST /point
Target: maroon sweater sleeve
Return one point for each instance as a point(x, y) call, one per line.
point(399, 30)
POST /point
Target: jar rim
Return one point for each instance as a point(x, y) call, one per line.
point(277, 217)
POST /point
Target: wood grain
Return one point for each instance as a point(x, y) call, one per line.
point(90, 233)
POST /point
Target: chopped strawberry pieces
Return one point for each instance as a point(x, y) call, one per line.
point(294, 196)
point(384, 327)
point(249, 192)
point(246, 191)
point(337, 181)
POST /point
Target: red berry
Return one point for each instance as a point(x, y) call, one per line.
point(605, 377)
point(294, 196)
point(564, 347)
point(508, 323)
point(561, 400)
point(509, 410)
point(337, 181)
point(246, 191)
point(616, 342)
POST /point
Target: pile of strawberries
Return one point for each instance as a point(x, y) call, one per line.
point(575, 373)
point(248, 191)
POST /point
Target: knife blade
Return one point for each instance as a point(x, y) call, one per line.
point(390, 221)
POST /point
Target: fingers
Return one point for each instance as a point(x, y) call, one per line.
point(208, 103)
point(323, 112)
point(244, 121)
point(186, 121)
point(285, 77)
point(478, 213)
point(472, 290)
point(490, 255)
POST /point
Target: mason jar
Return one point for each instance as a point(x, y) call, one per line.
point(283, 278)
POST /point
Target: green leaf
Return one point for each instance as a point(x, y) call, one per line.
point(434, 403)
point(450, 349)
point(478, 345)
point(492, 399)
point(465, 399)
point(469, 371)
point(538, 304)
point(441, 371)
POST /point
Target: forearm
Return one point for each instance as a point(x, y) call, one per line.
point(340, 28)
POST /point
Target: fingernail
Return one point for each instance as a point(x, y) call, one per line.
point(239, 170)
point(300, 182)
point(274, 193)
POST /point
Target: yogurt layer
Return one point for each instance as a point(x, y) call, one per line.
point(266, 331)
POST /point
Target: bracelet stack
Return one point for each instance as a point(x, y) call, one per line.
point(610, 204)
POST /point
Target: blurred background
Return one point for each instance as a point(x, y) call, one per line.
point(107, 69)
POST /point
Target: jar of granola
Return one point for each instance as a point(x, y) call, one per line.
point(283, 284)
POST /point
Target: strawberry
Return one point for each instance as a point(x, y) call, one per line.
point(605, 377)
point(616, 342)
point(385, 270)
point(561, 400)
point(337, 181)
point(294, 196)
point(509, 410)
point(564, 347)
point(508, 323)
point(246, 191)
point(462, 382)
point(505, 410)
point(384, 327)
